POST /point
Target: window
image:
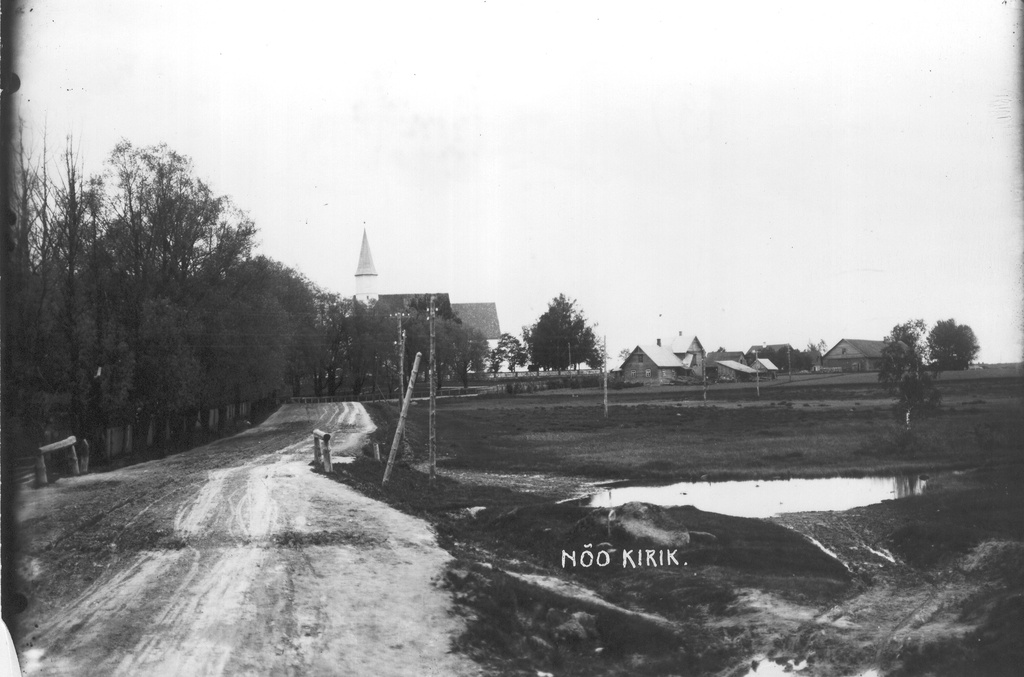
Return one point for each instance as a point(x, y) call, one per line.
point(647, 373)
point(640, 357)
point(632, 373)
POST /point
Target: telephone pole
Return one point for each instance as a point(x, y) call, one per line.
point(433, 397)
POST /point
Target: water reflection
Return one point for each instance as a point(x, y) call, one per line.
point(757, 498)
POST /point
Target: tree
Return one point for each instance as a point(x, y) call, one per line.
point(952, 346)
point(561, 337)
point(509, 350)
point(904, 371)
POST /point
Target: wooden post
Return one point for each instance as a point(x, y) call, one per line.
point(433, 398)
point(328, 468)
point(401, 420)
point(83, 458)
point(74, 460)
point(376, 452)
point(317, 461)
point(41, 479)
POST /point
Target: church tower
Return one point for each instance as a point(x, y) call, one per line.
point(366, 274)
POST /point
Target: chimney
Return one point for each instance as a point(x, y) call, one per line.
point(659, 343)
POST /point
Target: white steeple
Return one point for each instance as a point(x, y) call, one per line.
point(366, 274)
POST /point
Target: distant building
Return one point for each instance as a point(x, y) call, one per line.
point(765, 366)
point(712, 360)
point(855, 355)
point(480, 316)
point(366, 274)
point(732, 369)
point(690, 353)
point(652, 364)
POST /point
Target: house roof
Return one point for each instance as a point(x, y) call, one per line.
point(365, 266)
point(766, 363)
point(395, 303)
point(662, 357)
point(682, 344)
point(866, 347)
point(714, 358)
point(736, 366)
point(480, 316)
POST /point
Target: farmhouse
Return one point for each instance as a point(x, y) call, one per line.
point(855, 355)
point(690, 353)
point(652, 364)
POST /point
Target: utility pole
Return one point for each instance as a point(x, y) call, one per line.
point(401, 355)
point(757, 375)
point(569, 346)
point(433, 397)
point(604, 350)
point(789, 361)
point(704, 371)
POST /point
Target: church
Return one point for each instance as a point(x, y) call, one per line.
point(480, 316)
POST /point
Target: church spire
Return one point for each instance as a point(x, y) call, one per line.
point(366, 274)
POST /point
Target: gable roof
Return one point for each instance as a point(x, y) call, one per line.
point(866, 348)
point(365, 266)
point(714, 358)
point(736, 366)
point(662, 357)
point(480, 316)
point(766, 363)
point(397, 303)
point(680, 344)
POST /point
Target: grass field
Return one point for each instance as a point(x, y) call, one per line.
point(666, 434)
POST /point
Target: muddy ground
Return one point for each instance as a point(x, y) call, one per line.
point(234, 558)
point(925, 585)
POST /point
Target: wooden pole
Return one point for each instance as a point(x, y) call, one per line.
point(401, 357)
point(704, 372)
point(401, 420)
point(757, 376)
point(433, 396)
point(605, 351)
point(317, 459)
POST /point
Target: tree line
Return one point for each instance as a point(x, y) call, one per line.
point(134, 294)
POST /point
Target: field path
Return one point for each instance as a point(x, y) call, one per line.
point(259, 566)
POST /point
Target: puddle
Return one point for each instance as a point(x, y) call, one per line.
point(764, 498)
point(761, 667)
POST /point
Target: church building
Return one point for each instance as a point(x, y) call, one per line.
point(480, 316)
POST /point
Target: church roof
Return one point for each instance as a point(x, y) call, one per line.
point(480, 316)
point(365, 266)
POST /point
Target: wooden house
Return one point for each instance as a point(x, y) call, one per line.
point(855, 355)
point(652, 364)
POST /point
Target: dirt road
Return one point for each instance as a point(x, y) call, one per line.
point(234, 558)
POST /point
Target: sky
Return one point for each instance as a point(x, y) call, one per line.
point(745, 172)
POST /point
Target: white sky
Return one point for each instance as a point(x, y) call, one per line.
point(745, 172)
